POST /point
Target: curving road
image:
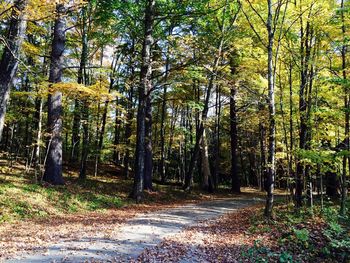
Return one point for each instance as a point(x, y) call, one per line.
point(138, 233)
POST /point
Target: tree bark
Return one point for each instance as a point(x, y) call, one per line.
point(144, 89)
point(161, 167)
point(272, 113)
point(148, 146)
point(9, 59)
point(39, 113)
point(86, 140)
point(53, 166)
point(206, 184)
point(263, 161)
point(130, 115)
point(217, 137)
point(162, 132)
point(235, 183)
point(304, 106)
point(344, 184)
point(291, 126)
point(82, 79)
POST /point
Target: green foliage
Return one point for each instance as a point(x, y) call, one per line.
point(336, 233)
point(316, 156)
point(19, 201)
point(254, 253)
point(260, 253)
point(302, 236)
point(285, 257)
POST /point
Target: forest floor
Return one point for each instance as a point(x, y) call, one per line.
point(127, 241)
point(94, 221)
point(36, 216)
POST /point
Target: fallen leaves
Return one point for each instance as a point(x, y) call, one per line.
point(219, 240)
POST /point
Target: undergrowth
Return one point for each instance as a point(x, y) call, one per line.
point(21, 199)
point(303, 236)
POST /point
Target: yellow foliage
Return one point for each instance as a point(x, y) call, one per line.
point(96, 92)
point(30, 48)
point(45, 9)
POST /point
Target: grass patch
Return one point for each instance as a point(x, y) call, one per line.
point(321, 236)
point(21, 199)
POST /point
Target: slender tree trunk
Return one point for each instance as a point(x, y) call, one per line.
point(75, 149)
point(82, 78)
point(148, 146)
point(83, 107)
point(53, 165)
point(305, 51)
point(103, 129)
point(291, 126)
point(161, 168)
point(104, 122)
point(9, 58)
point(97, 137)
point(206, 184)
point(263, 172)
point(200, 130)
point(86, 140)
point(344, 185)
point(216, 170)
point(130, 115)
point(144, 90)
point(117, 122)
point(235, 182)
point(162, 132)
point(272, 112)
point(37, 168)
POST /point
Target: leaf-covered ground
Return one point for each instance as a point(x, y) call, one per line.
point(35, 216)
point(21, 198)
point(244, 236)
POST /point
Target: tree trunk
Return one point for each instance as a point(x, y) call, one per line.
point(344, 184)
point(216, 170)
point(200, 130)
point(304, 107)
point(86, 140)
point(272, 112)
point(37, 168)
point(263, 172)
point(130, 115)
point(235, 183)
point(144, 89)
point(206, 184)
point(53, 166)
point(76, 132)
point(148, 146)
point(82, 79)
point(9, 59)
point(162, 134)
point(291, 127)
point(161, 167)
point(117, 128)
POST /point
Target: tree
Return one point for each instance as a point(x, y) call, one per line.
point(10, 56)
point(235, 182)
point(344, 187)
point(53, 165)
point(273, 20)
point(144, 91)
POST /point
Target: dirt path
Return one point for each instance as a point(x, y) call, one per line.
point(143, 231)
